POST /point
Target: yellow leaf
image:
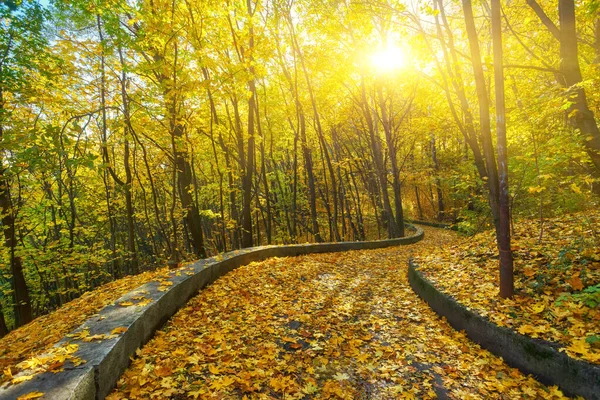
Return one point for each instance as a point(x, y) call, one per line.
point(95, 337)
point(84, 333)
point(125, 303)
point(196, 394)
point(526, 330)
point(536, 189)
point(222, 383)
point(20, 379)
point(118, 330)
point(310, 388)
point(579, 346)
point(538, 308)
point(144, 302)
point(32, 395)
point(340, 376)
point(279, 384)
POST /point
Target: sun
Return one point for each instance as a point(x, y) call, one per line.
point(389, 59)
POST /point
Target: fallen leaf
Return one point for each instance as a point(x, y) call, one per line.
point(32, 395)
point(576, 283)
point(118, 330)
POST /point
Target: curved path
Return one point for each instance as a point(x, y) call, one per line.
point(342, 325)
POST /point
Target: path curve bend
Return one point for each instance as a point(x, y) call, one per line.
point(106, 360)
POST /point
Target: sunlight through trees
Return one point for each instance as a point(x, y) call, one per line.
point(136, 134)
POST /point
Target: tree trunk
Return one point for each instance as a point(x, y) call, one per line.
point(3, 327)
point(438, 181)
point(191, 217)
point(249, 167)
point(579, 113)
point(419, 207)
point(335, 234)
point(300, 135)
point(308, 165)
point(106, 178)
point(23, 312)
point(131, 249)
point(293, 229)
point(466, 124)
point(215, 121)
point(233, 209)
point(263, 169)
point(359, 215)
point(597, 40)
point(503, 230)
point(391, 145)
point(484, 111)
point(183, 172)
point(380, 168)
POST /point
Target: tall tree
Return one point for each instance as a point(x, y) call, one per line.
point(503, 228)
point(22, 49)
point(579, 112)
point(252, 112)
point(484, 110)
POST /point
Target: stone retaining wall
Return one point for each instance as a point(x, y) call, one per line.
point(441, 225)
point(532, 356)
point(106, 360)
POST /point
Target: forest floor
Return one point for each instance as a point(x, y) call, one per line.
point(341, 325)
point(24, 344)
point(557, 280)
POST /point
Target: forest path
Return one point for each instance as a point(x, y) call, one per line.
point(339, 325)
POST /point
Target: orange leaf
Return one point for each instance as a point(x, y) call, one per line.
point(163, 371)
point(120, 329)
point(576, 283)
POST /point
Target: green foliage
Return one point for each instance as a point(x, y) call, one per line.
point(589, 296)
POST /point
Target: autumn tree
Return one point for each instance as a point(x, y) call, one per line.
point(22, 56)
point(578, 110)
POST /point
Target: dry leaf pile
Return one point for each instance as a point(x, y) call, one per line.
point(557, 280)
point(328, 326)
point(21, 349)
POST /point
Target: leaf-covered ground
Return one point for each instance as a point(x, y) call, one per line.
point(21, 348)
point(343, 325)
point(557, 280)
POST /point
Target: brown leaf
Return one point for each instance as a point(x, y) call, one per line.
point(576, 283)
